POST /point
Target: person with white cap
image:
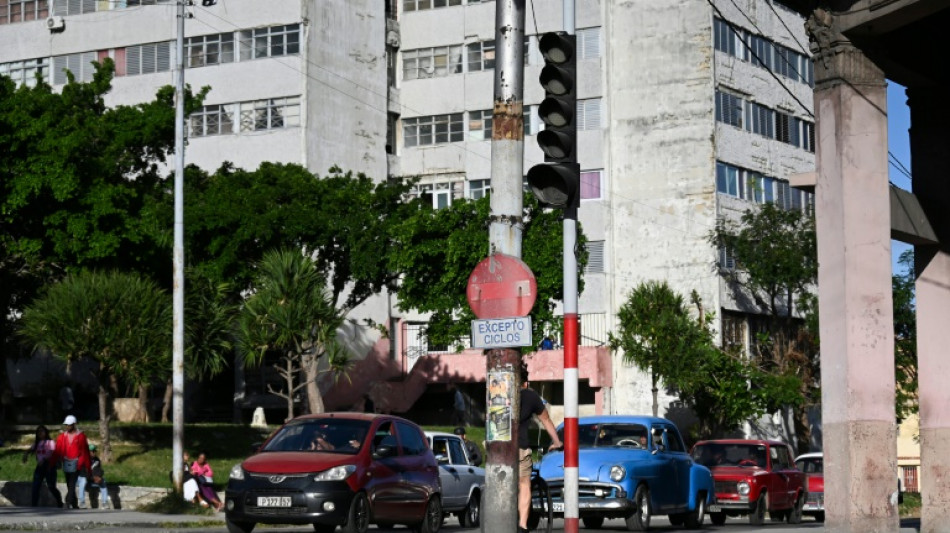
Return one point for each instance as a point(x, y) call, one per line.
point(72, 450)
point(95, 477)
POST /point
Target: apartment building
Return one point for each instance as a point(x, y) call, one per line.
point(687, 111)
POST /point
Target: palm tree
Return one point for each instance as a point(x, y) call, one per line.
point(121, 321)
point(291, 312)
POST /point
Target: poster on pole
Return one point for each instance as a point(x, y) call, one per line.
point(501, 390)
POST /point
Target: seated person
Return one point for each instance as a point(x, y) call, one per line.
point(320, 442)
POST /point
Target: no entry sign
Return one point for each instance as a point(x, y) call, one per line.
point(501, 286)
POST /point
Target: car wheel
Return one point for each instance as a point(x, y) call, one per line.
point(239, 527)
point(794, 514)
point(593, 522)
point(820, 517)
point(471, 515)
point(717, 519)
point(694, 519)
point(757, 516)
point(640, 520)
point(432, 520)
point(357, 519)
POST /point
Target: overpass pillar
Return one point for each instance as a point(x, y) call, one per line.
point(929, 141)
point(854, 284)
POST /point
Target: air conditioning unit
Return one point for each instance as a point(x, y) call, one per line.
point(55, 24)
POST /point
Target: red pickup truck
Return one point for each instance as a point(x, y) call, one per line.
point(752, 477)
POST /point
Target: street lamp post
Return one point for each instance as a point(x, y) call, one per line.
point(178, 261)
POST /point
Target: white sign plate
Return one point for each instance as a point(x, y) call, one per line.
point(501, 332)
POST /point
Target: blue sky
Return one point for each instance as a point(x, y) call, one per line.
point(898, 142)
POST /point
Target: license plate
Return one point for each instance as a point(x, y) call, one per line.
point(715, 509)
point(558, 507)
point(273, 501)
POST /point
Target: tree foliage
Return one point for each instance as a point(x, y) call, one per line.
point(235, 216)
point(436, 251)
point(776, 268)
point(658, 333)
point(905, 337)
point(291, 313)
point(121, 321)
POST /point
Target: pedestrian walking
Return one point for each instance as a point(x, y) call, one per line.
point(45, 471)
point(458, 406)
point(94, 478)
point(72, 451)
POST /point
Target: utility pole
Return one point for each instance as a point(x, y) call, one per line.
point(571, 493)
point(178, 261)
point(505, 230)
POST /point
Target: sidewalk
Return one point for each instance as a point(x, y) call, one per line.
point(50, 518)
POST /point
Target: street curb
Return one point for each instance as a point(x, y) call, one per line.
point(60, 525)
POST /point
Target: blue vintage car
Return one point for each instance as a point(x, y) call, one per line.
point(632, 467)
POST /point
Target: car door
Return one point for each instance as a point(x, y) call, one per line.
point(448, 472)
point(419, 472)
point(681, 467)
point(468, 473)
point(786, 473)
point(663, 486)
point(385, 472)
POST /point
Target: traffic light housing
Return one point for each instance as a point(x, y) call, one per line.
point(557, 182)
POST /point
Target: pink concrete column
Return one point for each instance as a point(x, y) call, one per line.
point(854, 281)
point(930, 160)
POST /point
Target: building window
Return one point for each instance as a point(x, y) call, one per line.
point(274, 41)
point(761, 120)
point(481, 56)
point(725, 37)
point(419, 5)
point(23, 10)
point(757, 188)
point(431, 62)
point(436, 129)
point(270, 114)
point(136, 3)
point(592, 184)
point(588, 43)
point(24, 72)
point(729, 109)
point(73, 7)
point(762, 52)
point(595, 257)
point(479, 125)
point(727, 261)
point(478, 188)
point(148, 58)
point(209, 50)
point(212, 120)
point(80, 65)
point(440, 194)
point(588, 114)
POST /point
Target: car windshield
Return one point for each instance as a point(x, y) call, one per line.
point(602, 435)
point(330, 435)
point(718, 454)
point(810, 465)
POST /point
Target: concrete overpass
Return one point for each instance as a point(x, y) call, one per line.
point(857, 45)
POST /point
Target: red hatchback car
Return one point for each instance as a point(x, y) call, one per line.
point(338, 469)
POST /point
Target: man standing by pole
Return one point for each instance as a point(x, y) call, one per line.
point(507, 205)
point(531, 405)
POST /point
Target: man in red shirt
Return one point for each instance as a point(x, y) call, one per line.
point(73, 450)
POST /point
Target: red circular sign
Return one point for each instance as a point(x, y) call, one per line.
point(501, 286)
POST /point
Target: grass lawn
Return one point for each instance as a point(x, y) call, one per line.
point(143, 452)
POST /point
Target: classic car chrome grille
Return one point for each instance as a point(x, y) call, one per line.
point(727, 487)
point(816, 497)
point(588, 490)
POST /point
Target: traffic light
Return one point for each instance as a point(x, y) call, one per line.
point(557, 182)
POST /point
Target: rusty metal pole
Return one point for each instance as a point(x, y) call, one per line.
point(503, 379)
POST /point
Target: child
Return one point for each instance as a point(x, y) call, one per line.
point(95, 477)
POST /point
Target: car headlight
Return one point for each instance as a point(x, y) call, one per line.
point(743, 488)
point(337, 473)
point(236, 472)
point(617, 473)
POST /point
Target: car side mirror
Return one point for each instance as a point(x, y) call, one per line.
point(441, 459)
point(383, 451)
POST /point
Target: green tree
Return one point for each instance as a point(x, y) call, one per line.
point(905, 337)
point(79, 182)
point(121, 321)
point(776, 268)
point(342, 220)
point(435, 250)
point(291, 312)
